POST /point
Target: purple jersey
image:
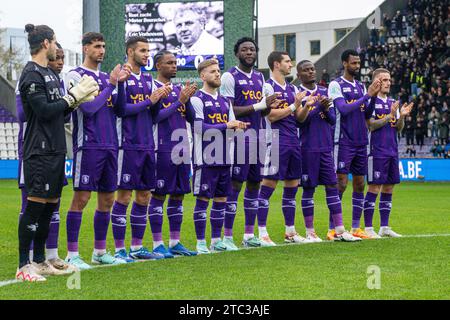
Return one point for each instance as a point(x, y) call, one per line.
point(97, 130)
point(213, 113)
point(244, 90)
point(316, 132)
point(351, 129)
point(383, 142)
point(136, 131)
point(163, 129)
point(287, 127)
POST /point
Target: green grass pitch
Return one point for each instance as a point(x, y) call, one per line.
point(410, 268)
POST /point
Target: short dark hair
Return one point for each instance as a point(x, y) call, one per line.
point(132, 41)
point(275, 56)
point(91, 37)
point(301, 63)
point(37, 35)
point(59, 46)
point(160, 54)
point(347, 53)
point(241, 41)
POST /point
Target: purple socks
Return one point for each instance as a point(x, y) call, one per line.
point(73, 224)
point(216, 218)
point(251, 205)
point(308, 207)
point(155, 216)
point(230, 212)
point(200, 218)
point(369, 208)
point(101, 224)
point(358, 207)
point(385, 208)
point(264, 195)
point(119, 224)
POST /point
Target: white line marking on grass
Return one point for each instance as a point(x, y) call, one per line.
point(433, 235)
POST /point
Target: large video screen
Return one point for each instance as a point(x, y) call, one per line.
point(193, 31)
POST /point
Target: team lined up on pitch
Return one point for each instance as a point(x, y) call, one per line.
point(123, 141)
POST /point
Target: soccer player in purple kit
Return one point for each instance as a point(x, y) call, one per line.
point(351, 100)
point(243, 86)
point(51, 245)
point(171, 178)
point(383, 174)
point(95, 146)
point(282, 122)
point(136, 107)
point(317, 155)
point(212, 177)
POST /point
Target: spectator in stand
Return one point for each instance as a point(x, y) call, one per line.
point(436, 149)
point(409, 130)
point(443, 128)
point(433, 122)
point(420, 130)
point(411, 150)
point(325, 80)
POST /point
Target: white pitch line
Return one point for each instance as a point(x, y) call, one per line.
point(433, 235)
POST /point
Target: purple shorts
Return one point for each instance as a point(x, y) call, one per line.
point(318, 169)
point(383, 171)
point(288, 166)
point(250, 169)
point(137, 170)
point(212, 182)
point(350, 159)
point(171, 178)
point(95, 170)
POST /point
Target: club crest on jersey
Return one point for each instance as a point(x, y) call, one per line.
point(160, 184)
point(205, 187)
point(236, 170)
point(346, 90)
point(243, 82)
point(131, 83)
point(85, 179)
point(377, 174)
point(305, 177)
point(208, 104)
point(126, 178)
point(341, 165)
point(378, 106)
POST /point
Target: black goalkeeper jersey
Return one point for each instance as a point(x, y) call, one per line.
point(44, 110)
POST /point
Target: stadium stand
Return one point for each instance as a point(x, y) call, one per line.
point(9, 131)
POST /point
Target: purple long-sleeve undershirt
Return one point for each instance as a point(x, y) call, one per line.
point(91, 108)
point(345, 108)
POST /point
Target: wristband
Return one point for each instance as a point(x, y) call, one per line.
point(293, 107)
point(260, 105)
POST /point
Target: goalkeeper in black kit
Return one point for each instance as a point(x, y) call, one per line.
point(44, 149)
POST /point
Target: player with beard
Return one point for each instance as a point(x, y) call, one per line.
point(386, 122)
point(95, 147)
point(351, 100)
point(213, 117)
point(285, 163)
point(317, 155)
point(243, 85)
point(172, 176)
point(137, 108)
point(44, 148)
point(51, 244)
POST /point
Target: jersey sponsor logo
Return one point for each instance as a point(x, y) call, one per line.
point(126, 178)
point(85, 179)
point(346, 90)
point(251, 94)
point(160, 184)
